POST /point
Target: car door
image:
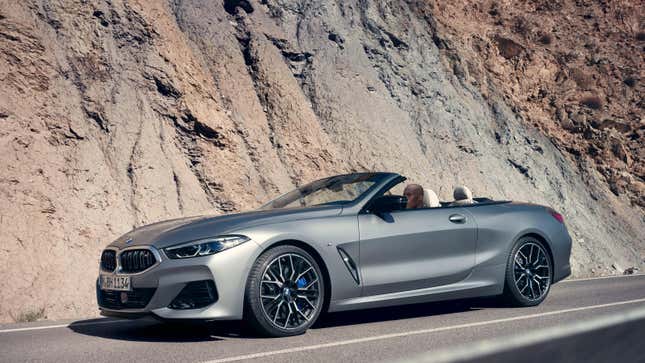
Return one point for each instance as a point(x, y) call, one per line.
point(415, 249)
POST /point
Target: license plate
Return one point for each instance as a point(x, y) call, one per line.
point(119, 283)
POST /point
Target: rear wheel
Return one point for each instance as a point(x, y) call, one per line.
point(284, 292)
point(528, 273)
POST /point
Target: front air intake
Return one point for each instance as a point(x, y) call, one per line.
point(117, 300)
point(195, 295)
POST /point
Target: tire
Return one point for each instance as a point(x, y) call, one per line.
point(528, 278)
point(282, 301)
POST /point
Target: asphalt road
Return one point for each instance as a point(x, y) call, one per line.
point(363, 336)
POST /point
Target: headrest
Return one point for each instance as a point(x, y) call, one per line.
point(430, 199)
point(462, 193)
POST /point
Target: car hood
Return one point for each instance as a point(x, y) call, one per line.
point(175, 231)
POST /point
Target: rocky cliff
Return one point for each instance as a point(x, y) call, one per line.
point(118, 113)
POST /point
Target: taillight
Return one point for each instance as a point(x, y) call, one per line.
point(557, 216)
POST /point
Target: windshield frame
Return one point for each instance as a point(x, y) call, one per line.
point(379, 178)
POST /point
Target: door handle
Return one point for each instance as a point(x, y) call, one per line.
point(457, 218)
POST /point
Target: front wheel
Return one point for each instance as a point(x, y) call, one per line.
point(528, 273)
point(284, 292)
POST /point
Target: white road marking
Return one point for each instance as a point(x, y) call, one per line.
point(417, 332)
point(125, 320)
point(62, 326)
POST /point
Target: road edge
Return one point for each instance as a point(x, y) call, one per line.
point(487, 348)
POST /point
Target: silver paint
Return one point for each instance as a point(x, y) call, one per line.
point(403, 257)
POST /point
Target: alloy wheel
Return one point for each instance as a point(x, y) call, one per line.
point(532, 271)
point(290, 291)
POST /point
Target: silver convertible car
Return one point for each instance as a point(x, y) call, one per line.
point(340, 243)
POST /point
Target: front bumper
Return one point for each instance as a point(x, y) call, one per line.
point(228, 270)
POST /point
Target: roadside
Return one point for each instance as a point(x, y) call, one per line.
point(363, 336)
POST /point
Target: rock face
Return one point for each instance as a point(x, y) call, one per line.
point(572, 69)
point(119, 113)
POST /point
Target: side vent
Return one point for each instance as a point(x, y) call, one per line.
point(349, 263)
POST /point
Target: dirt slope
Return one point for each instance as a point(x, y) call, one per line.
point(118, 113)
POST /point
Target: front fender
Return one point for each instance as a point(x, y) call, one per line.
point(321, 235)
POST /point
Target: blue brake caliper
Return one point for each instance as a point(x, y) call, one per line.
point(302, 282)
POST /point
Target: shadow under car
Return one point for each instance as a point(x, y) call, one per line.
point(152, 330)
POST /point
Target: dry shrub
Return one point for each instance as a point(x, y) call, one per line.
point(630, 81)
point(584, 80)
point(508, 48)
point(30, 316)
point(545, 38)
point(494, 9)
point(521, 26)
point(548, 5)
point(591, 101)
point(621, 127)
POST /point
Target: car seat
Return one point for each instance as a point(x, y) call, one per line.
point(430, 199)
point(463, 196)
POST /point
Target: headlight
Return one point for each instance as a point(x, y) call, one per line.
point(204, 247)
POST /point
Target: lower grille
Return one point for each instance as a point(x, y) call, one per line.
point(195, 295)
point(136, 260)
point(108, 260)
point(135, 299)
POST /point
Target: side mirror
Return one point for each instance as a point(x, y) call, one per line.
point(388, 203)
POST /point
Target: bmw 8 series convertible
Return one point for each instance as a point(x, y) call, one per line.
point(340, 243)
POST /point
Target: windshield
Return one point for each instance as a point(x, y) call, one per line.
point(338, 190)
